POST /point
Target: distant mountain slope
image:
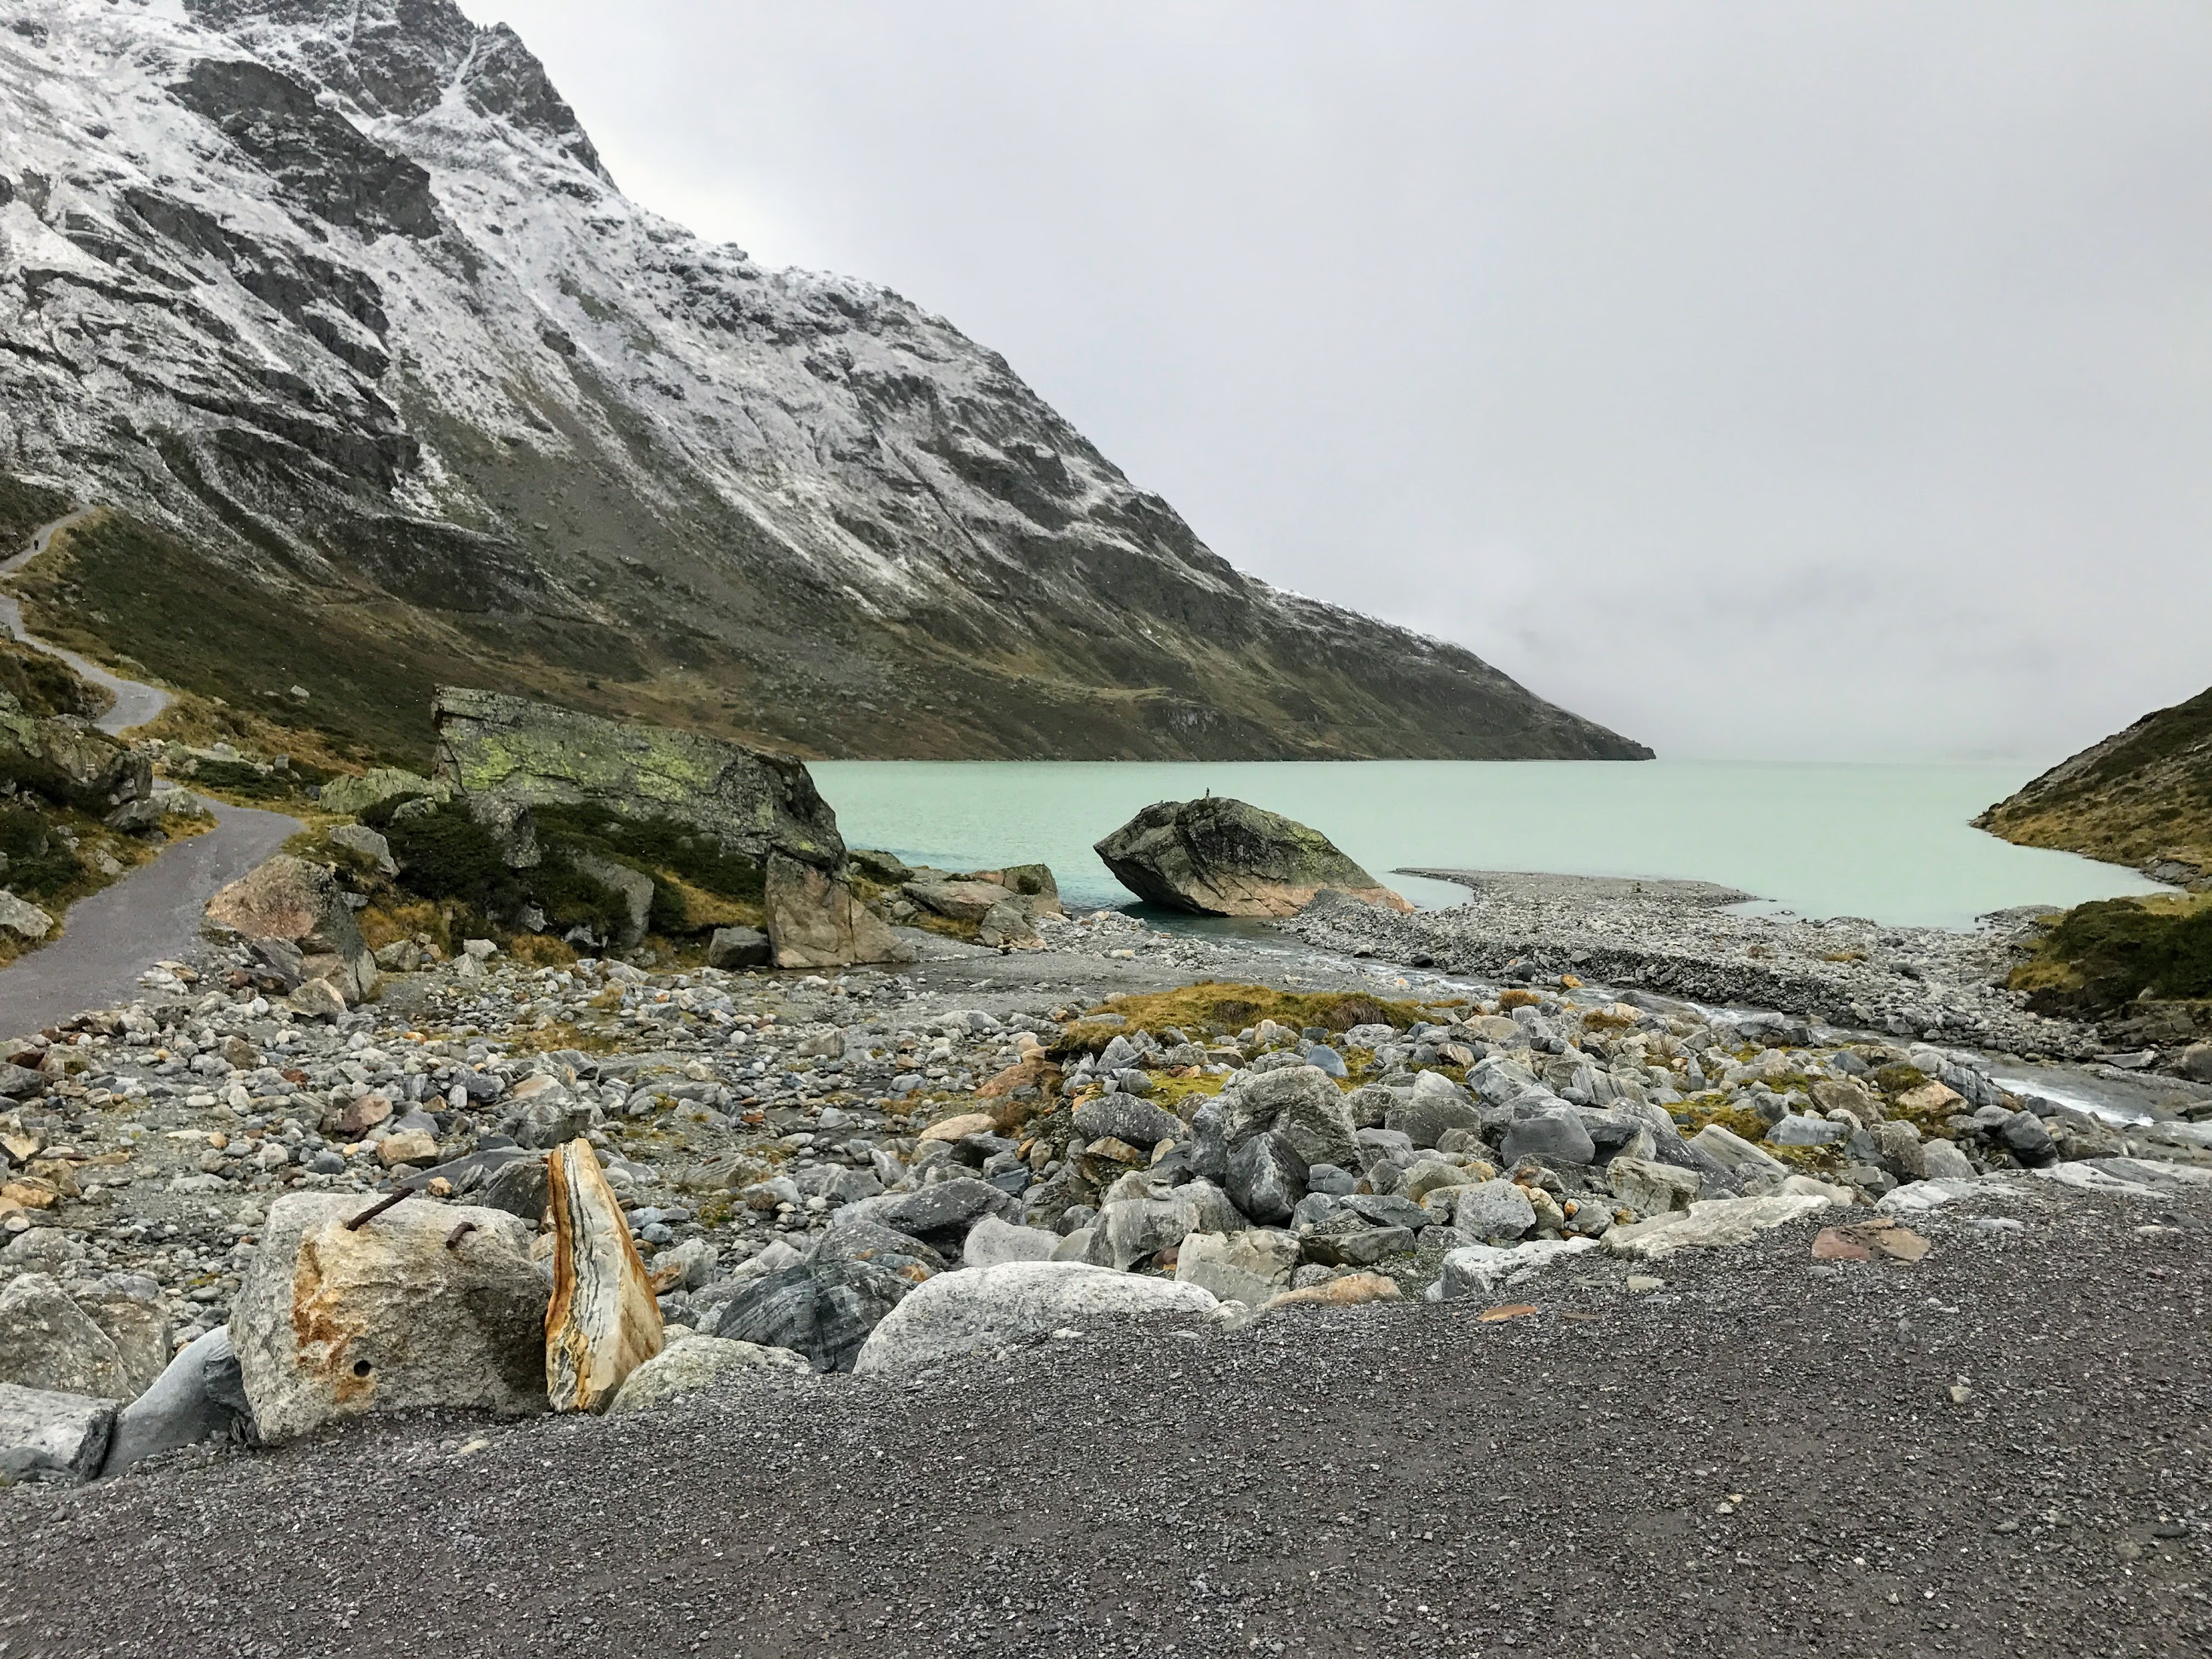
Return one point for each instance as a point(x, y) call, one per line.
point(334, 302)
point(2141, 796)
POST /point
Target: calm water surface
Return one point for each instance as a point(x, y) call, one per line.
point(1890, 842)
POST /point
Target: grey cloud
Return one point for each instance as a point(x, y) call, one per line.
point(1821, 380)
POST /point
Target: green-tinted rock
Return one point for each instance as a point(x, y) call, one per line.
point(67, 759)
point(377, 791)
point(1218, 857)
point(507, 756)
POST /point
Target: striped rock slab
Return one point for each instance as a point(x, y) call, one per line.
point(602, 1322)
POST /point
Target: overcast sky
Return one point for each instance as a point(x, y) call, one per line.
point(1784, 381)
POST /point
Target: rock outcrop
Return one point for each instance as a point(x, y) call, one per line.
point(68, 759)
point(602, 1322)
point(509, 757)
point(406, 1310)
point(612, 799)
point(1218, 857)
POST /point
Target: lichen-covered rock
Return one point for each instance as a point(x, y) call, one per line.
point(1218, 857)
point(603, 1320)
point(289, 899)
point(815, 919)
point(379, 789)
point(507, 756)
point(68, 759)
point(331, 1322)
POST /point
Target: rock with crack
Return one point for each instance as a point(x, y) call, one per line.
point(333, 1322)
point(1019, 1301)
point(200, 1396)
point(50, 1436)
point(603, 1320)
point(815, 919)
point(1250, 1266)
point(508, 758)
point(822, 1309)
point(1218, 857)
point(289, 899)
point(48, 1342)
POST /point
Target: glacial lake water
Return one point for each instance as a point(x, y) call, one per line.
point(1893, 844)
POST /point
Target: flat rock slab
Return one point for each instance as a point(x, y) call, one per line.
point(1709, 1224)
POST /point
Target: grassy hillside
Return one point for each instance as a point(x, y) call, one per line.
point(2141, 796)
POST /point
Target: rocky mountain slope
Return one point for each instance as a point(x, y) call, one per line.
point(334, 303)
point(2141, 796)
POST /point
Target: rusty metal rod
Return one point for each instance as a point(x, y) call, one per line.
point(378, 1209)
point(453, 1238)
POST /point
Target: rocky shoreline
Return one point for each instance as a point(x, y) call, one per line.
point(1681, 940)
point(988, 1105)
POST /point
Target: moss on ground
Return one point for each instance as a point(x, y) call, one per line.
point(1214, 1009)
point(2101, 956)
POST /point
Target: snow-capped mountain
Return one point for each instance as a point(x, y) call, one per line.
point(338, 295)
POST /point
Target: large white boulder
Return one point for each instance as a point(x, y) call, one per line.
point(698, 1363)
point(989, 1307)
point(1480, 1269)
point(332, 1322)
point(1707, 1224)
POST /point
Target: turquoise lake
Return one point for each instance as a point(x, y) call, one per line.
point(1893, 844)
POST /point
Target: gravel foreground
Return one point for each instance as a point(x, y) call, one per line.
point(1767, 1455)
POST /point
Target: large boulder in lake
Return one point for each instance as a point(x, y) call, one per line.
point(1217, 857)
point(523, 767)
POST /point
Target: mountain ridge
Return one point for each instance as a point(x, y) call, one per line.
point(334, 302)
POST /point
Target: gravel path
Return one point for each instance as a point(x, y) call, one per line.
point(151, 914)
point(134, 704)
point(154, 912)
point(1763, 1458)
